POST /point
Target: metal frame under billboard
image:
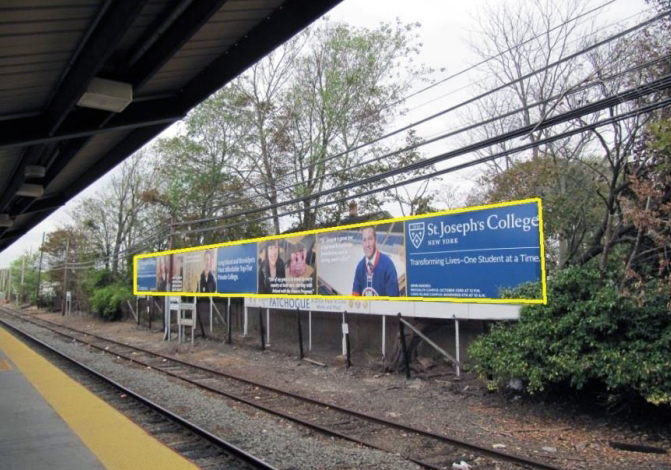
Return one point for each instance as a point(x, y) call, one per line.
point(471, 255)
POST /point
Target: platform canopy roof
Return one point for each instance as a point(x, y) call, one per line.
point(169, 54)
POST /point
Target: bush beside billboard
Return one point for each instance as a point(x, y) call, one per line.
point(469, 255)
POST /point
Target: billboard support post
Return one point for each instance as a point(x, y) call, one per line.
point(456, 343)
point(310, 330)
point(263, 335)
point(268, 327)
point(348, 361)
point(245, 331)
point(211, 315)
point(300, 334)
point(200, 322)
point(404, 347)
point(344, 347)
point(384, 337)
point(166, 309)
point(229, 336)
point(431, 343)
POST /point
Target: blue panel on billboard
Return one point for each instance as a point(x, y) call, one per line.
point(473, 254)
point(146, 274)
point(236, 269)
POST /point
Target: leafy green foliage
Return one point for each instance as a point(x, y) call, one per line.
point(24, 272)
point(589, 337)
point(107, 301)
point(572, 207)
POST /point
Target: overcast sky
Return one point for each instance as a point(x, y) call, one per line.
point(446, 27)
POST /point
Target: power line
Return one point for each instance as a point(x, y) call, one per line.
point(635, 93)
point(134, 249)
point(452, 133)
point(489, 59)
point(586, 127)
point(162, 231)
point(452, 92)
point(644, 90)
point(461, 104)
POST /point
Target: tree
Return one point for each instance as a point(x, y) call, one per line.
point(195, 180)
point(647, 206)
point(24, 276)
point(68, 257)
point(572, 209)
point(253, 101)
point(294, 125)
point(518, 39)
point(582, 178)
point(111, 219)
point(346, 90)
point(412, 199)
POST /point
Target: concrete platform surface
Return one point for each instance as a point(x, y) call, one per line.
point(49, 421)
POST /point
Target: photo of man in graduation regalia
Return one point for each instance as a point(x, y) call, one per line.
point(375, 274)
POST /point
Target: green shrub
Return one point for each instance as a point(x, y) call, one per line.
point(588, 337)
point(107, 301)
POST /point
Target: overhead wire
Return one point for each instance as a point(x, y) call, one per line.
point(638, 92)
point(137, 248)
point(340, 154)
point(160, 233)
point(464, 103)
point(468, 85)
point(462, 166)
point(451, 133)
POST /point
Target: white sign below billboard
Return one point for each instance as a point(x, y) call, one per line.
point(443, 310)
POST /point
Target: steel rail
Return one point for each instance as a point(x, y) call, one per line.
point(493, 453)
point(226, 446)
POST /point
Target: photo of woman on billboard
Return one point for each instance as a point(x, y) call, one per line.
point(207, 281)
point(271, 267)
point(162, 268)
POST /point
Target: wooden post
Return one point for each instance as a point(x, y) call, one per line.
point(300, 334)
point(211, 313)
point(404, 347)
point(229, 332)
point(65, 273)
point(456, 340)
point(348, 362)
point(39, 271)
point(384, 337)
point(263, 334)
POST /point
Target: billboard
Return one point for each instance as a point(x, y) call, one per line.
point(363, 261)
point(467, 255)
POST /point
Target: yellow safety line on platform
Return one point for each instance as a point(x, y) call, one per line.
point(5, 365)
point(115, 440)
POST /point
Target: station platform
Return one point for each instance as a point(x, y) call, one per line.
point(49, 421)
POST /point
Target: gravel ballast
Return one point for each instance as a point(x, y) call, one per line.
point(278, 442)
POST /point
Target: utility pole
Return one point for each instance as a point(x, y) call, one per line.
point(23, 273)
point(9, 284)
point(39, 271)
point(166, 311)
point(65, 275)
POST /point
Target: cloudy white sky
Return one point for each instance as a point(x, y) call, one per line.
point(446, 27)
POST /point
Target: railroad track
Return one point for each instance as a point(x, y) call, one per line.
point(427, 449)
point(196, 444)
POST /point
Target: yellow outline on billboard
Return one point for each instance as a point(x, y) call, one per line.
point(469, 300)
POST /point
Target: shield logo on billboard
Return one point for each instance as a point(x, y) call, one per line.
point(416, 231)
